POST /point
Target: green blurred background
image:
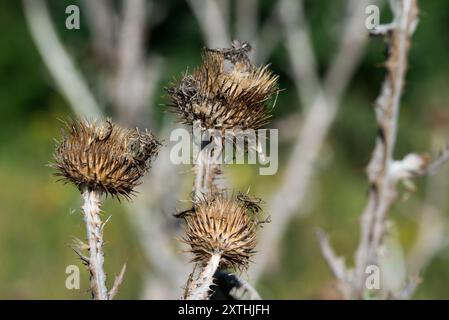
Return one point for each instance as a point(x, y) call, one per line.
point(38, 216)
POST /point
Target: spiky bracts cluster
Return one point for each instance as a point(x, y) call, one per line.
point(225, 92)
point(103, 156)
point(224, 226)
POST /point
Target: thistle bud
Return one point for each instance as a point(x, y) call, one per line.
point(224, 227)
point(225, 92)
point(105, 157)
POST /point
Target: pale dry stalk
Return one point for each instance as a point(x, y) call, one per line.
point(94, 229)
point(380, 169)
point(199, 289)
point(384, 172)
point(207, 169)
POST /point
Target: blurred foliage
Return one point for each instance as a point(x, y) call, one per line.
point(38, 216)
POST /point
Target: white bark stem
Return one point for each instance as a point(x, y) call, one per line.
point(59, 63)
point(382, 169)
point(212, 22)
point(383, 185)
point(204, 173)
point(94, 232)
point(200, 287)
point(208, 168)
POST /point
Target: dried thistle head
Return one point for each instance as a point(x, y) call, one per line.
point(103, 156)
point(225, 226)
point(225, 92)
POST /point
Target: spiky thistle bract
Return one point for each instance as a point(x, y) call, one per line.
point(222, 225)
point(225, 92)
point(103, 156)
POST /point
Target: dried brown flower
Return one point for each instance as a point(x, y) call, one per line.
point(103, 156)
point(224, 226)
point(225, 92)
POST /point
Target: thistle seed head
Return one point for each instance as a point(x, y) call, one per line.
point(225, 92)
point(218, 225)
point(103, 156)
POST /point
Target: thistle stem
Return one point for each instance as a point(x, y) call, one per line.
point(203, 173)
point(91, 208)
point(207, 169)
point(200, 287)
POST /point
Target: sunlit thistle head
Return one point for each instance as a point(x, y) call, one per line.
point(225, 92)
point(103, 156)
point(224, 226)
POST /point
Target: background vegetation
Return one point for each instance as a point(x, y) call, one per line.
point(38, 216)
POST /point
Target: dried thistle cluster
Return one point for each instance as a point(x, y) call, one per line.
point(225, 92)
point(224, 226)
point(103, 156)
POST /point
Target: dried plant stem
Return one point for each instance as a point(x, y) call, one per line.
point(199, 288)
point(94, 228)
point(205, 173)
point(58, 61)
point(384, 172)
point(380, 169)
point(207, 170)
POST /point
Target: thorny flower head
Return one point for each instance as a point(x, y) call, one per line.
point(225, 92)
point(225, 226)
point(103, 156)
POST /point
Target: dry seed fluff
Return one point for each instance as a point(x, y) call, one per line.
point(103, 156)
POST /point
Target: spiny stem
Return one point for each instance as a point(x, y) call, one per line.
point(94, 231)
point(199, 288)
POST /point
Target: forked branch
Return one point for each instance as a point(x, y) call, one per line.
point(384, 172)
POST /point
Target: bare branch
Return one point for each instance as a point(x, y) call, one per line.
point(151, 216)
point(132, 71)
point(438, 162)
point(431, 239)
point(59, 63)
point(246, 13)
point(159, 247)
point(300, 50)
point(383, 29)
point(317, 121)
point(433, 225)
point(103, 22)
point(117, 282)
point(211, 22)
point(267, 38)
point(336, 264)
point(383, 171)
point(408, 290)
point(382, 191)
